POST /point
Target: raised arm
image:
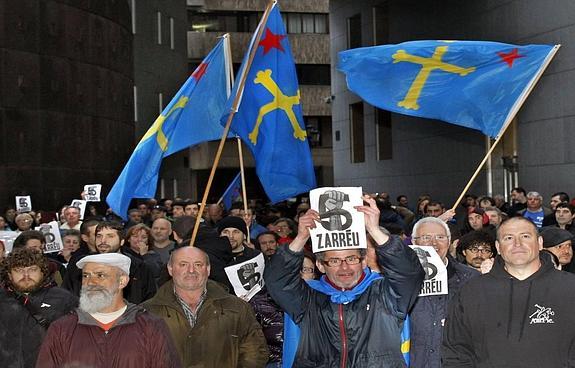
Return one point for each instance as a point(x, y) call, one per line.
point(282, 273)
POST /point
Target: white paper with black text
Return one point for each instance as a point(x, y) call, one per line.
point(23, 204)
point(81, 204)
point(247, 277)
point(92, 192)
point(341, 226)
point(51, 233)
point(435, 282)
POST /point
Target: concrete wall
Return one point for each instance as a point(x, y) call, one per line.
point(437, 158)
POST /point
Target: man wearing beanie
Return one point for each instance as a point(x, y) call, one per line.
point(235, 229)
point(106, 330)
point(558, 242)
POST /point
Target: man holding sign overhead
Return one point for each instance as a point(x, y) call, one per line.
point(351, 317)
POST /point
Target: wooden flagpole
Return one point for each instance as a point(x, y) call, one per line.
point(244, 193)
point(231, 116)
point(510, 118)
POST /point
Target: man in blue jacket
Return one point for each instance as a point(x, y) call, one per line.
point(351, 317)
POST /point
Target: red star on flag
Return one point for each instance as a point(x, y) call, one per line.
point(200, 71)
point(510, 57)
point(271, 41)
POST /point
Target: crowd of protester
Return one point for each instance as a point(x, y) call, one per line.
point(135, 293)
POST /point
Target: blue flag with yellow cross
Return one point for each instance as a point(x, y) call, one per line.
point(474, 84)
point(191, 117)
point(268, 116)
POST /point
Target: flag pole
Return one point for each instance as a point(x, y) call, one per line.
point(230, 116)
point(244, 193)
point(509, 120)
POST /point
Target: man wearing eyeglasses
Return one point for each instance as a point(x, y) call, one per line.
point(429, 312)
point(476, 247)
point(351, 317)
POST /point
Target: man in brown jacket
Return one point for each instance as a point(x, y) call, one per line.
point(210, 327)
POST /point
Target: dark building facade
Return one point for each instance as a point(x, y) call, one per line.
point(406, 155)
point(66, 97)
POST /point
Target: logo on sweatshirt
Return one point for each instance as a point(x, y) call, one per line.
point(541, 315)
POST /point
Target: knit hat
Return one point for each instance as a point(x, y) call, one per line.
point(234, 222)
point(553, 236)
point(111, 259)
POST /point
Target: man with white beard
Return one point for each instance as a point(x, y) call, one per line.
point(106, 330)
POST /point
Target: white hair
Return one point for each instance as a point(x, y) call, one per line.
point(431, 220)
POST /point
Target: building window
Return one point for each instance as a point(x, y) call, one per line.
point(160, 102)
point(380, 25)
point(159, 25)
point(354, 31)
point(319, 131)
point(245, 21)
point(172, 41)
point(135, 104)
point(383, 134)
point(357, 133)
point(133, 11)
point(313, 74)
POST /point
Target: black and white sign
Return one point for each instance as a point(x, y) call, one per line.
point(51, 232)
point(92, 192)
point(23, 204)
point(435, 282)
point(341, 225)
point(7, 237)
point(81, 204)
point(247, 277)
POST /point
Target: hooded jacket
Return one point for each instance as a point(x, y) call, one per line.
point(138, 339)
point(500, 321)
point(24, 320)
point(355, 328)
point(226, 334)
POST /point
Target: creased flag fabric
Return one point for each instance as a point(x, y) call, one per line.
point(191, 117)
point(474, 84)
point(269, 115)
point(233, 192)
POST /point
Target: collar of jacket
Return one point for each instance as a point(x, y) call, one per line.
point(344, 296)
point(498, 270)
point(165, 295)
point(129, 316)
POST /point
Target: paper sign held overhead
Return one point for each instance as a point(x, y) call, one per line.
point(23, 204)
point(341, 225)
point(92, 192)
point(247, 277)
point(435, 282)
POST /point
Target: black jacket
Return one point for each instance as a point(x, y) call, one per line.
point(500, 321)
point(428, 316)
point(367, 330)
point(22, 328)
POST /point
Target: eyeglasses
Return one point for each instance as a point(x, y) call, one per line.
point(428, 238)
point(480, 250)
point(307, 270)
point(336, 262)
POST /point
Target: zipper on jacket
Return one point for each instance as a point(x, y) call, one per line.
point(343, 337)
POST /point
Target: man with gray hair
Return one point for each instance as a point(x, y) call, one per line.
point(107, 331)
point(211, 328)
point(429, 312)
point(535, 210)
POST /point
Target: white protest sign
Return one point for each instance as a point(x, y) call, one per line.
point(92, 192)
point(51, 232)
point(7, 237)
point(247, 277)
point(23, 204)
point(81, 204)
point(341, 225)
point(435, 282)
